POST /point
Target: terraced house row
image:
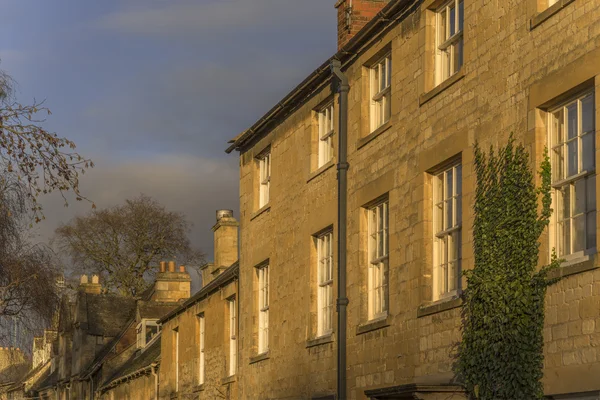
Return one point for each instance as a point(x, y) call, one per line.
point(356, 195)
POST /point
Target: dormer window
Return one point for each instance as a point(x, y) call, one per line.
point(146, 331)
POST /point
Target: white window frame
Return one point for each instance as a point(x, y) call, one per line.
point(232, 336)
point(566, 177)
point(201, 339)
point(264, 169)
point(326, 130)
point(378, 252)
point(449, 43)
point(262, 273)
point(447, 223)
point(380, 82)
point(325, 283)
point(141, 331)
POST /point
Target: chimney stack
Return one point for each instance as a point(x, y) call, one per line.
point(226, 245)
point(171, 285)
point(353, 15)
point(93, 288)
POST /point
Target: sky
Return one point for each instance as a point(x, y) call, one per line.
point(152, 90)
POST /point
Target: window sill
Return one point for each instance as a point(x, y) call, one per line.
point(320, 170)
point(574, 266)
point(199, 388)
point(363, 141)
point(438, 306)
point(542, 16)
point(262, 210)
point(228, 380)
point(425, 97)
point(259, 358)
point(319, 340)
point(373, 325)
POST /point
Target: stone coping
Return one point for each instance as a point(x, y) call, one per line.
point(320, 170)
point(260, 211)
point(229, 379)
point(374, 325)
point(320, 340)
point(425, 97)
point(439, 306)
point(259, 358)
point(363, 141)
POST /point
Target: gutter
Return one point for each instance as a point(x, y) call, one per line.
point(142, 371)
point(321, 75)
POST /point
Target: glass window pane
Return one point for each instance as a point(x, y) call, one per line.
point(448, 216)
point(580, 197)
point(374, 81)
point(563, 238)
point(587, 114)
point(449, 190)
point(557, 127)
point(388, 80)
point(588, 151)
point(452, 20)
point(442, 17)
point(461, 15)
point(591, 230)
point(565, 201)
point(452, 273)
point(558, 163)
point(591, 193)
point(573, 159)
point(572, 130)
point(579, 235)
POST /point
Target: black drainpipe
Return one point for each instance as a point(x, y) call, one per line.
point(342, 301)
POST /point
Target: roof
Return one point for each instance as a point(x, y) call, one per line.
point(47, 381)
point(225, 277)
point(31, 374)
point(147, 309)
point(154, 310)
point(105, 351)
point(137, 363)
point(393, 13)
point(104, 314)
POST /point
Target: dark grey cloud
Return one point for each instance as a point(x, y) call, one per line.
point(214, 17)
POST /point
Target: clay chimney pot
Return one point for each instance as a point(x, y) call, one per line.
point(95, 279)
point(182, 268)
point(171, 266)
point(84, 279)
point(163, 266)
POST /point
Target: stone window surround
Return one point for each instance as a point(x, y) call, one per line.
point(569, 180)
point(427, 84)
point(562, 84)
point(544, 12)
point(366, 132)
point(450, 151)
point(324, 117)
point(373, 193)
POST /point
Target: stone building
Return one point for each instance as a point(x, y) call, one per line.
point(427, 79)
point(199, 340)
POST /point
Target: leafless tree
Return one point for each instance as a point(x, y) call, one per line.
point(124, 242)
point(33, 162)
point(41, 160)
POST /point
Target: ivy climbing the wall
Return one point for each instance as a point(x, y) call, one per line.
point(501, 353)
